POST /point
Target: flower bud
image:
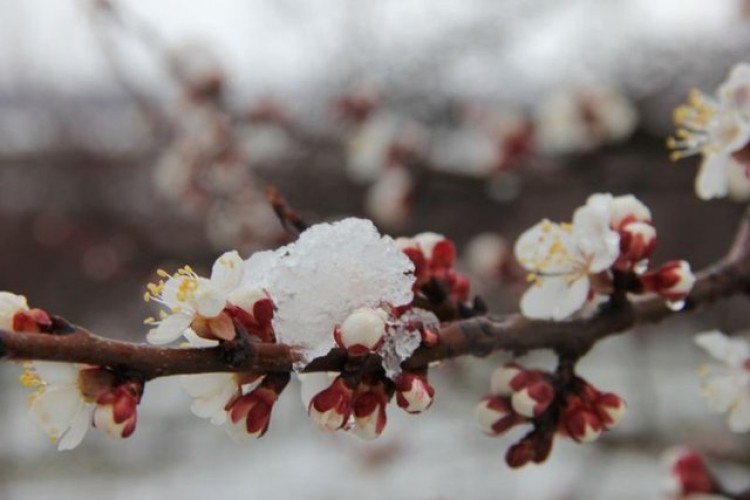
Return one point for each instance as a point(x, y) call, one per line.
point(501, 379)
point(115, 413)
point(331, 408)
point(250, 414)
point(688, 473)
point(673, 280)
point(610, 408)
point(413, 393)
point(520, 453)
point(32, 321)
point(369, 412)
point(626, 209)
point(534, 399)
point(581, 424)
point(253, 309)
point(494, 415)
point(362, 331)
point(637, 242)
point(10, 305)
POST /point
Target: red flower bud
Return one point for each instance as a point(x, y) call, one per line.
point(413, 393)
point(331, 408)
point(115, 413)
point(673, 280)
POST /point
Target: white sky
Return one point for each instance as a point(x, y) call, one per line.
point(511, 49)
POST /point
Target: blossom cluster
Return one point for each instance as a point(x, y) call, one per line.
point(356, 402)
point(604, 250)
point(69, 398)
point(717, 128)
point(361, 290)
point(385, 145)
point(551, 404)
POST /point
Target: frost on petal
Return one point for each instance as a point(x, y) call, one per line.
point(739, 416)
point(712, 180)
point(595, 239)
point(733, 352)
point(169, 329)
point(547, 248)
point(331, 270)
point(77, 430)
point(227, 272)
point(554, 298)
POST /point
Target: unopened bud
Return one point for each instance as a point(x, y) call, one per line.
point(582, 425)
point(331, 408)
point(688, 473)
point(534, 399)
point(250, 414)
point(115, 413)
point(626, 209)
point(637, 242)
point(610, 409)
point(673, 280)
point(494, 415)
point(362, 331)
point(369, 412)
point(413, 393)
point(500, 382)
point(32, 321)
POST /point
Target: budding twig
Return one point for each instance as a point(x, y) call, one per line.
point(477, 336)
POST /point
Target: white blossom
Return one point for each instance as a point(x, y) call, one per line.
point(58, 404)
point(716, 128)
point(189, 296)
point(560, 258)
point(727, 387)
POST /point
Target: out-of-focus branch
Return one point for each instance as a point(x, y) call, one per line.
point(476, 336)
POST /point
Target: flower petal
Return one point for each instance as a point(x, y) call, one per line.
point(77, 430)
point(555, 298)
point(721, 392)
point(169, 329)
point(547, 248)
point(55, 373)
point(210, 393)
point(712, 180)
point(732, 351)
point(594, 237)
point(739, 417)
point(55, 408)
point(227, 272)
point(209, 302)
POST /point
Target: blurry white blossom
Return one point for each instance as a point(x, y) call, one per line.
point(727, 387)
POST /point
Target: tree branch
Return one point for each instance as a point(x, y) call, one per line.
point(476, 336)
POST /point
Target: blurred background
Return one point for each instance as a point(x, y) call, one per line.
point(137, 135)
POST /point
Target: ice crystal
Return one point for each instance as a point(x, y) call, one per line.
point(331, 270)
point(402, 338)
